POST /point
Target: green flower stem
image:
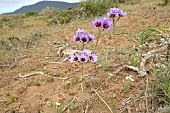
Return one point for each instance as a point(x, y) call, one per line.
point(116, 20)
point(83, 47)
point(82, 76)
point(82, 72)
point(83, 80)
point(95, 67)
point(97, 40)
point(113, 25)
point(82, 65)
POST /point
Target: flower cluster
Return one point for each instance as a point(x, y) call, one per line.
point(104, 23)
point(83, 36)
point(114, 12)
point(85, 57)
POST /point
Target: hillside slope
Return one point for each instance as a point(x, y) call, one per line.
point(43, 4)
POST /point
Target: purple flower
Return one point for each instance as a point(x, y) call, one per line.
point(93, 58)
point(121, 13)
point(86, 52)
point(84, 39)
point(76, 38)
point(74, 58)
point(97, 23)
point(80, 31)
point(86, 55)
point(106, 23)
point(113, 12)
point(90, 37)
point(83, 58)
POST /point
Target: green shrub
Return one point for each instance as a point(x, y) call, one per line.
point(96, 7)
point(133, 1)
point(165, 2)
point(161, 88)
point(13, 23)
point(2, 41)
point(89, 8)
point(50, 12)
point(5, 19)
point(63, 17)
point(67, 15)
point(10, 42)
point(13, 42)
point(12, 38)
point(32, 40)
point(28, 14)
point(122, 1)
point(64, 20)
point(161, 84)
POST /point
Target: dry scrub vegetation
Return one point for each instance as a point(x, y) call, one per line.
point(132, 74)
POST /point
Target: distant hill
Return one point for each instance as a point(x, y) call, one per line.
point(43, 4)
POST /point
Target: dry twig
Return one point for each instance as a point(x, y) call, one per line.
point(141, 72)
point(86, 110)
point(126, 101)
point(66, 107)
point(37, 73)
point(103, 101)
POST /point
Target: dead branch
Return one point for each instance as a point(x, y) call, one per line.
point(82, 89)
point(41, 73)
point(124, 102)
point(46, 62)
point(146, 94)
point(165, 109)
point(30, 74)
point(69, 52)
point(86, 110)
point(140, 72)
point(143, 60)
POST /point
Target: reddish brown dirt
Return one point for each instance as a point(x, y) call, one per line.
point(33, 94)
